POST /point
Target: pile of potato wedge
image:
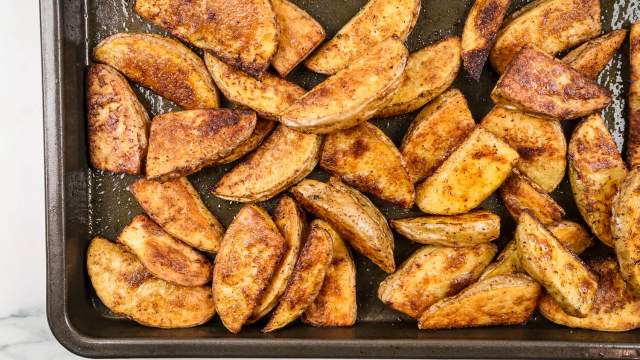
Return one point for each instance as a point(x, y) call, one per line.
point(177, 266)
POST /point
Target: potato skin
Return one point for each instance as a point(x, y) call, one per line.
point(625, 217)
point(262, 129)
point(633, 145)
point(591, 57)
point(519, 193)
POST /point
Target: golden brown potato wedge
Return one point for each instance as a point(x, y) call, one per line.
point(596, 171)
point(633, 146)
point(625, 217)
point(499, 300)
point(591, 57)
point(260, 132)
point(473, 172)
point(118, 123)
point(243, 33)
point(469, 229)
point(352, 215)
point(429, 72)
point(248, 258)
point(307, 277)
point(431, 274)
point(161, 64)
point(519, 193)
point(127, 288)
point(550, 25)
point(285, 158)
point(539, 84)
point(364, 157)
point(437, 130)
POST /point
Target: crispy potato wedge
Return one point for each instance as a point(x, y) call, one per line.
point(615, 307)
point(433, 135)
point(431, 274)
point(625, 217)
point(162, 64)
point(519, 193)
point(248, 258)
point(353, 95)
point(541, 85)
point(591, 57)
point(540, 143)
point(550, 25)
point(596, 171)
point(473, 172)
point(352, 215)
point(364, 157)
point(307, 277)
point(429, 72)
point(243, 33)
point(127, 288)
point(633, 145)
point(182, 143)
point(260, 132)
point(285, 158)
point(565, 277)
point(499, 300)
point(118, 123)
point(476, 227)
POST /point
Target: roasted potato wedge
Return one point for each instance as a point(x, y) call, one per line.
point(633, 145)
point(472, 173)
point(307, 277)
point(352, 215)
point(431, 274)
point(283, 159)
point(596, 171)
point(469, 229)
point(243, 33)
point(499, 300)
point(260, 132)
point(519, 193)
point(591, 57)
point(162, 64)
point(249, 255)
point(127, 288)
point(433, 135)
point(364, 157)
point(625, 217)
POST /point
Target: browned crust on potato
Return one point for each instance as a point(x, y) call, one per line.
point(519, 193)
point(625, 217)
point(591, 57)
point(633, 145)
point(260, 132)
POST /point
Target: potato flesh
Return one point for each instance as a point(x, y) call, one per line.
point(633, 146)
point(591, 57)
point(519, 194)
point(260, 132)
point(625, 216)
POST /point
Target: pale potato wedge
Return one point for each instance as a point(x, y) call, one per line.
point(473, 172)
point(127, 288)
point(243, 33)
point(591, 57)
point(182, 143)
point(262, 129)
point(352, 215)
point(565, 277)
point(162, 64)
point(429, 72)
point(550, 25)
point(283, 159)
point(249, 255)
point(625, 217)
point(537, 83)
point(431, 274)
point(633, 145)
point(118, 124)
point(433, 135)
point(519, 193)
point(307, 277)
point(364, 157)
point(596, 171)
point(376, 21)
point(499, 300)
point(476, 227)
point(353, 95)
point(540, 143)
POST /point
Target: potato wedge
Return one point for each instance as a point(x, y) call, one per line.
point(364, 157)
point(285, 158)
point(469, 229)
point(431, 274)
point(162, 64)
point(541, 85)
point(182, 143)
point(540, 143)
point(433, 135)
point(519, 193)
point(352, 215)
point(307, 277)
point(472, 173)
point(260, 132)
point(591, 57)
point(243, 33)
point(352, 95)
point(633, 145)
point(550, 25)
point(248, 258)
point(596, 171)
point(127, 288)
point(429, 72)
point(499, 300)
point(625, 217)
point(118, 123)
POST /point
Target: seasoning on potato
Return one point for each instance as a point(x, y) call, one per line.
point(625, 217)
point(519, 193)
point(633, 146)
point(591, 57)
